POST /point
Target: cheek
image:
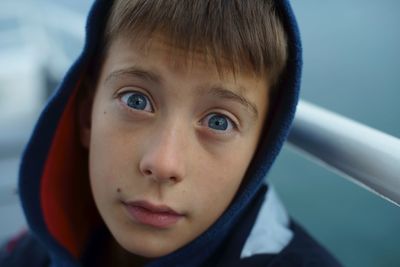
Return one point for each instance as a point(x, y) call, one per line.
point(219, 179)
point(113, 152)
point(106, 153)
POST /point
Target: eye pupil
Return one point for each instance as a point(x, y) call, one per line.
point(137, 101)
point(218, 122)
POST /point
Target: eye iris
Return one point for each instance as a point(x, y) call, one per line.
point(218, 122)
point(137, 101)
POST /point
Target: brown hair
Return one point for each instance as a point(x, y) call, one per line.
point(248, 34)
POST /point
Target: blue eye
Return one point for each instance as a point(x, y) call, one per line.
point(136, 100)
point(219, 122)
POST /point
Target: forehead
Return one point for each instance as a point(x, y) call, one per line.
point(157, 49)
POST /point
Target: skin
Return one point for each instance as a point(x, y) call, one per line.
point(169, 153)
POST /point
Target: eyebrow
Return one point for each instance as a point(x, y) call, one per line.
point(224, 93)
point(218, 91)
point(135, 72)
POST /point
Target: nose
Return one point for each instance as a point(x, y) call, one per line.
point(163, 157)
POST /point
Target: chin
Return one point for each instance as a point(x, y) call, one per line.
point(146, 247)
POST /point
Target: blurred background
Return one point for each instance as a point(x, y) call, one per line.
point(351, 66)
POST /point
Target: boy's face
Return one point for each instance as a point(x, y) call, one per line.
point(169, 143)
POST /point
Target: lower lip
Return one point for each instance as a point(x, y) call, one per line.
point(154, 219)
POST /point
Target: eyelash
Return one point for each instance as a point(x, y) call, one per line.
point(230, 127)
point(124, 98)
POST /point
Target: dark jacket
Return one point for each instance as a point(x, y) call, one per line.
point(65, 228)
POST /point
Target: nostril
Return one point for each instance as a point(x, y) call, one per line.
point(147, 172)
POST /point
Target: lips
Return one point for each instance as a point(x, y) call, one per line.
point(158, 216)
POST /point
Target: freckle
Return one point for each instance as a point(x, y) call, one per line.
point(105, 112)
point(119, 190)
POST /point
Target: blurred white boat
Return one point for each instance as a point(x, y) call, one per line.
point(37, 45)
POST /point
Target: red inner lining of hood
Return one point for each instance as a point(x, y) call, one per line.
point(68, 207)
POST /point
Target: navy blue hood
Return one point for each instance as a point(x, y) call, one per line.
point(54, 185)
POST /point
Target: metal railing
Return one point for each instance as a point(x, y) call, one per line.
point(364, 155)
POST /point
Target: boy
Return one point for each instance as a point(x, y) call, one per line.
point(154, 150)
